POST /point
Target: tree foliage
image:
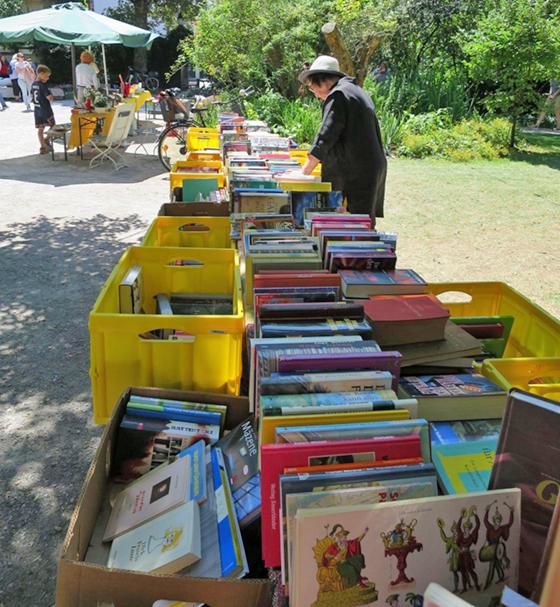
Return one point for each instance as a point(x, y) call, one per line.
point(515, 46)
point(8, 8)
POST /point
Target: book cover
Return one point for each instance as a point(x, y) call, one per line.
point(274, 458)
point(302, 434)
point(391, 491)
point(197, 460)
point(165, 544)
point(363, 261)
point(302, 328)
point(398, 281)
point(406, 319)
point(528, 458)
point(168, 412)
point(240, 450)
point(464, 467)
point(146, 498)
point(456, 432)
point(357, 555)
point(143, 444)
point(454, 397)
point(130, 291)
point(438, 596)
point(351, 381)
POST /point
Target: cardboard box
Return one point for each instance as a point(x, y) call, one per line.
point(195, 209)
point(83, 584)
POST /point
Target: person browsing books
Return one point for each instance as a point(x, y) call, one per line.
point(349, 143)
point(86, 75)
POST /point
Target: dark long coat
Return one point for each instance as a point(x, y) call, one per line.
point(350, 147)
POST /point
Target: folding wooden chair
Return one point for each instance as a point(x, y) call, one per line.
point(107, 147)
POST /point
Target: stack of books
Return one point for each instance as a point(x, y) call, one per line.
point(180, 490)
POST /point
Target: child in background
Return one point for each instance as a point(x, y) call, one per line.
point(41, 97)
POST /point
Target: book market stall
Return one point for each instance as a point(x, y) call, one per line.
point(295, 417)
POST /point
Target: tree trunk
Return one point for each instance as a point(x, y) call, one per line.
point(365, 55)
point(338, 48)
point(141, 20)
point(512, 135)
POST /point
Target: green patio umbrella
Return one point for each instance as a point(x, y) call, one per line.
point(71, 23)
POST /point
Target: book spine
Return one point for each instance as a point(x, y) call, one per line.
point(179, 428)
point(227, 545)
point(325, 398)
point(298, 384)
point(322, 409)
point(197, 481)
point(168, 412)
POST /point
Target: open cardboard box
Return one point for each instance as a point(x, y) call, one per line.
point(83, 584)
point(195, 209)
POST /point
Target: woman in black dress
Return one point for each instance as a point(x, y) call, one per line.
point(348, 143)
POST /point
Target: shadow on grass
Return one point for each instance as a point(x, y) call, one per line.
point(51, 273)
point(540, 149)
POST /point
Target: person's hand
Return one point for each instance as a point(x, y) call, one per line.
point(307, 168)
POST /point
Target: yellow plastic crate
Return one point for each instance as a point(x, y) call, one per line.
point(204, 155)
point(202, 139)
point(201, 232)
point(540, 376)
point(535, 333)
point(176, 179)
point(121, 357)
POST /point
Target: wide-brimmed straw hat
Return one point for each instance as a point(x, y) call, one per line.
point(324, 64)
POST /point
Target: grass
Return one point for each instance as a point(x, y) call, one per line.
point(484, 220)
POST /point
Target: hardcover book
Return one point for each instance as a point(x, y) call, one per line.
point(330, 326)
point(130, 291)
point(165, 544)
point(406, 319)
point(458, 432)
point(274, 458)
point(388, 491)
point(358, 555)
point(454, 397)
point(395, 282)
point(240, 450)
point(527, 457)
point(464, 467)
point(351, 381)
point(146, 498)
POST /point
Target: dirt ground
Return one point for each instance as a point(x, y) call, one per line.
point(63, 227)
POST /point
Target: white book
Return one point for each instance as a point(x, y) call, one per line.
point(165, 544)
point(166, 487)
point(130, 291)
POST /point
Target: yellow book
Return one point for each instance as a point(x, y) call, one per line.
point(269, 424)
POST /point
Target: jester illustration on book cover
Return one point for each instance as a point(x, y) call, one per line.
point(340, 562)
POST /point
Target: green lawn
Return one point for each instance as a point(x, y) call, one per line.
point(487, 220)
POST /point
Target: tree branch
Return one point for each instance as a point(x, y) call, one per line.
point(338, 48)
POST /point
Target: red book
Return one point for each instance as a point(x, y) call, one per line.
point(406, 319)
point(275, 458)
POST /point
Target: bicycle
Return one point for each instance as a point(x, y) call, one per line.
point(179, 117)
point(149, 80)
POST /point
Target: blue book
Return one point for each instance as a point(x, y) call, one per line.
point(232, 553)
point(465, 467)
point(169, 412)
point(450, 433)
point(197, 488)
point(319, 399)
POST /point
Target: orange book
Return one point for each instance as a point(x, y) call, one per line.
point(407, 461)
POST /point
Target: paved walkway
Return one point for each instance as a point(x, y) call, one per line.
point(62, 228)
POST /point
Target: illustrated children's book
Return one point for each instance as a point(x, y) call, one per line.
point(391, 491)
point(165, 544)
point(274, 458)
point(438, 596)
point(383, 553)
point(528, 457)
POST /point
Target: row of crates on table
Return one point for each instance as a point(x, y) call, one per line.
point(211, 361)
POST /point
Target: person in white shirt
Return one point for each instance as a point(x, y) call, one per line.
point(86, 75)
point(26, 76)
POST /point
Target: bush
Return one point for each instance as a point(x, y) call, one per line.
point(433, 134)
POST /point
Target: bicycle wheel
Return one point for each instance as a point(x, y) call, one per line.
point(152, 83)
point(172, 144)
